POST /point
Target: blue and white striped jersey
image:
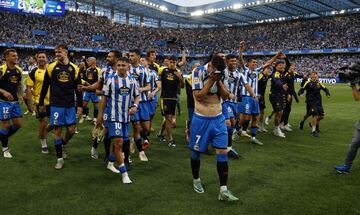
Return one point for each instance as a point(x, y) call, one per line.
point(120, 92)
point(106, 73)
point(199, 75)
point(142, 77)
point(232, 82)
point(250, 77)
point(154, 77)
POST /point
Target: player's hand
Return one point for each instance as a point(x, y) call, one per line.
point(42, 109)
point(133, 110)
point(242, 46)
point(289, 97)
point(285, 87)
point(80, 88)
point(232, 97)
point(100, 121)
point(214, 77)
point(281, 55)
point(8, 96)
point(79, 111)
point(178, 74)
point(151, 95)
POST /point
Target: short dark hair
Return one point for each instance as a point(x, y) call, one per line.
point(166, 57)
point(218, 63)
point(278, 62)
point(38, 53)
point(148, 53)
point(124, 59)
point(230, 56)
point(117, 54)
point(8, 51)
point(173, 57)
point(250, 59)
point(136, 51)
point(62, 46)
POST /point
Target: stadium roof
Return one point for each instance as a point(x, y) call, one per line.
point(233, 11)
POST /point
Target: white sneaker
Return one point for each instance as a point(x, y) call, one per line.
point(244, 134)
point(94, 153)
point(235, 136)
point(7, 154)
point(286, 128)
point(126, 179)
point(33, 113)
point(111, 167)
point(59, 164)
point(94, 120)
point(82, 119)
point(279, 133)
point(76, 130)
point(26, 112)
point(267, 120)
point(256, 141)
point(263, 129)
point(142, 156)
point(88, 118)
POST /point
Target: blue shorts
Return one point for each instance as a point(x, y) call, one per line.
point(152, 106)
point(10, 110)
point(90, 96)
point(229, 110)
point(249, 106)
point(205, 130)
point(142, 113)
point(118, 129)
point(62, 116)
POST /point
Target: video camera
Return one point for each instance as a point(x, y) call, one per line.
point(351, 73)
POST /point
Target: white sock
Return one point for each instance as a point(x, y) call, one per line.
point(43, 143)
point(60, 159)
point(111, 163)
point(313, 128)
point(223, 188)
point(198, 179)
point(5, 149)
point(253, 138)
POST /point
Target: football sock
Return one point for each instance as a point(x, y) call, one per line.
point(112, 157)
point(122, 168)
point(95, 144)
point(195, 164)
point(126, 150)
point(96, 112)
point(107, 144)
point(43, 143)
point(3, 137)
point(230, 133)
point(253, 131)
point(13, 129)
point(85, 111)
point(313, 128)
point(222, 168)
point(58, 147)
point(138, 144)
point(246, 124)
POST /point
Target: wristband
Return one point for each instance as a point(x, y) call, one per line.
point(135, 105)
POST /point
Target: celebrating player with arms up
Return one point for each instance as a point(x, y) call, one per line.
point(120, 100)
point(208, 123)
point(62, 77)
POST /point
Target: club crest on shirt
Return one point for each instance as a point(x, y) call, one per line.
point(124, 91)
point(170, 77)
point(63, 77)
point(13, 79)
point(252, 75)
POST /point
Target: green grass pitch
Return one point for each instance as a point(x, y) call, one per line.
point(285, 176)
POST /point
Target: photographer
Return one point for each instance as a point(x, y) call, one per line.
point(355, 143)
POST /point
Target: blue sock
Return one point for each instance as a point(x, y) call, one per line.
point(122, 168)
point(195, 155)
point(253, 131)
point(112, 157)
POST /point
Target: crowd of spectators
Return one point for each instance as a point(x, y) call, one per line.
point(78, 30)
point(327, 65)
